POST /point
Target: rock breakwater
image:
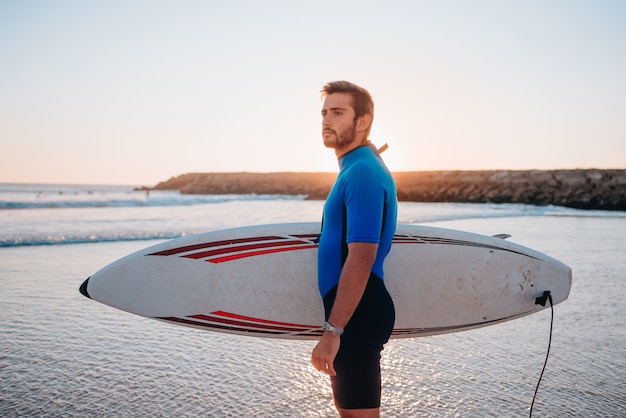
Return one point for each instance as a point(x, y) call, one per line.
point(583, 189)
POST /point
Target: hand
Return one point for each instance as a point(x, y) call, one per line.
point(324, 353)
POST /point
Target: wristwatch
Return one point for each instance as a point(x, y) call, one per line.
point(329, 327)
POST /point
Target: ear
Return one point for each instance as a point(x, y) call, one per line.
point(363, 122)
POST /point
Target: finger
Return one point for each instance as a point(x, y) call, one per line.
point(314, 363)
point(318, 364)
point(330, 369)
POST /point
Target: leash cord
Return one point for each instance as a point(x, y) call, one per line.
point(549, 296)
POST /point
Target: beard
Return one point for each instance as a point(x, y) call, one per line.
point(342, 140)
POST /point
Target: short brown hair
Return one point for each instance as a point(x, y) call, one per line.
point(362, 101)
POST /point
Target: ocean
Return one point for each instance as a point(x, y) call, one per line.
point(62, 354)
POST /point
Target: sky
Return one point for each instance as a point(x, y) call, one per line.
point(136, 92)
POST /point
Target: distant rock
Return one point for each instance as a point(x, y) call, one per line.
point(314, 185)
point(583, 189)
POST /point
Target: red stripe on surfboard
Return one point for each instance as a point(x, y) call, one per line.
point(230, 328)
point(204, 245)
point(252, 319)
point(239, 248)
point(223, 323)
point(261, 252)
point(252, 325)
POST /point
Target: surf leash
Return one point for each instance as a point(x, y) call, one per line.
point(542, 301)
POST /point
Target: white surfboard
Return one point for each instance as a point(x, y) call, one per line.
point(262, 281)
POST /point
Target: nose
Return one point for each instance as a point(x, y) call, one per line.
point(83, 288)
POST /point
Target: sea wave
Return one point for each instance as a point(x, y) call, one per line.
point(86, 239)
point(126, 226)
point(135, 199)
point(49, 215)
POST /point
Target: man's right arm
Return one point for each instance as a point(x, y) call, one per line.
point(352, 283)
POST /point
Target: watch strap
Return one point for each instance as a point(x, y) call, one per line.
point(329, 327)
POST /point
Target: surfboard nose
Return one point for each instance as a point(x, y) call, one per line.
point(83, 288)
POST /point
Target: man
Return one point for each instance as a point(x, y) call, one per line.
point(358, 225)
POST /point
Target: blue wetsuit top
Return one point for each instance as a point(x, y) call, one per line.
point(365, 195)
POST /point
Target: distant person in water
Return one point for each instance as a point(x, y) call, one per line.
point(357, 229)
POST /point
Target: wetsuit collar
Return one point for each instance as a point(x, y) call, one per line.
point(356, 153)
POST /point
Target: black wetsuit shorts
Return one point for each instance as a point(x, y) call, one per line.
point(357, 383)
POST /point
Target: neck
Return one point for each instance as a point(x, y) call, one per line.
point(353, 145)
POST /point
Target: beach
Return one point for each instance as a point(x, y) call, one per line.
point(127, 124)
point(65, 355)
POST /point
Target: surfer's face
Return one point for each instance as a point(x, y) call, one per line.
point(339, 127)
